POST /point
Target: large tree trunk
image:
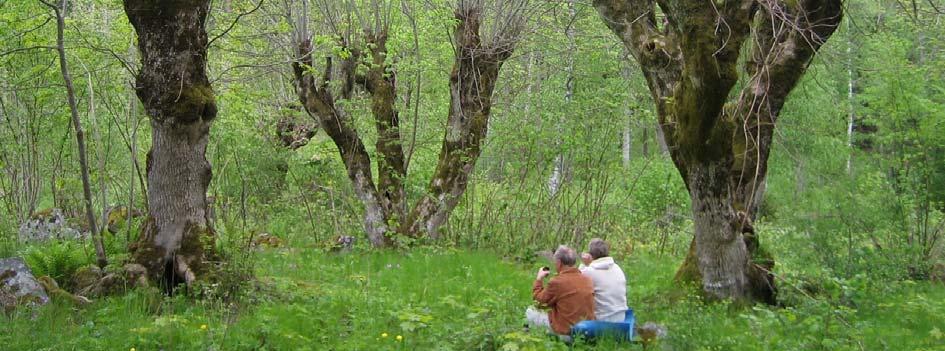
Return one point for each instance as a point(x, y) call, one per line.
point(721, 251)
point(472, 81)
point(627, 142)
point(177, 240)
point(721, 150)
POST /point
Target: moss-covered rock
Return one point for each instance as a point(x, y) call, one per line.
point(85, 278)
point(56, 293)
point(118, 218)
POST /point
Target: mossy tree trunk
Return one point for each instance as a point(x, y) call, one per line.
point(475, 71)
point(322, 96)
point(381, 82)
point(472, 81)
point(176, 241)
point(721, 147)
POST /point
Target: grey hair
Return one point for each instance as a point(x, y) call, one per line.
point(598, 248)
point(566, 255)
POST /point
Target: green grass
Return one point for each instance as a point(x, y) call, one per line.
point(459, 300)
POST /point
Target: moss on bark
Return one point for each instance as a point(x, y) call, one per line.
point(191, 262)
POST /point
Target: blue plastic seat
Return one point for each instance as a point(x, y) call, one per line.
point(590, 330)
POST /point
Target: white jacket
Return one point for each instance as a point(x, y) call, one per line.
point(610, 289)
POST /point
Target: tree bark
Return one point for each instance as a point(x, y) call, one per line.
point(720, 249)
point(472, 81)
point(320, 102)
point(101, 259)
point(177, 240)
point(627, 145)
point(851, 101)
point(721, 150)
point(381, 82)
point(661, 140)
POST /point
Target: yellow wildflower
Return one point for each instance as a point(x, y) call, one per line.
point(383, 335)
point(400, 338)
point(203, 327)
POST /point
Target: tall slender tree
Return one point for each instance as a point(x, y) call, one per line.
point(60, 9)
point(721, 146)
point(177, 238)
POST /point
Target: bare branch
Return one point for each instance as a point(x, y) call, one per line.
point(30, 48)
point(233, 24)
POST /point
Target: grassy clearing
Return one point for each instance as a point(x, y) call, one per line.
point(458, 300)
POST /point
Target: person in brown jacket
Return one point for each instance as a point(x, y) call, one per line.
point(569, 295)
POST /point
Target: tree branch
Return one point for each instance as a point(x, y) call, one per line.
point(233, 24)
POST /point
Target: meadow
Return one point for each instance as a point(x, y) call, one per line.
point(452, 299)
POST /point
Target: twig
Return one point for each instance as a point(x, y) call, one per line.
point(233, 24)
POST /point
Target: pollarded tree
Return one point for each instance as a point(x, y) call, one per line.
point(176, 239)
point(720, 141)
point(484, 38)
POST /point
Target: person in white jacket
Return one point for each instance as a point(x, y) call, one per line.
point(610, 284)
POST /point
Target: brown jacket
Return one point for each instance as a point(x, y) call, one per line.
point(570, 296)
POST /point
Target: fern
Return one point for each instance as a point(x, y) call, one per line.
point(57, 259)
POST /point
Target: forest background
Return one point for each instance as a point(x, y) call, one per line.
point(852, 211)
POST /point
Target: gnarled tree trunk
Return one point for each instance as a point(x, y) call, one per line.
point(320, 102)
point(475, 71)
point(721, 148)
point(177, 240)
point(472, 82)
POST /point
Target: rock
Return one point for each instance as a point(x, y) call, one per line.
point(85, 279)
point(97, 283)
point(137, 274)
point(18, 286)
point(57, 293)
point(7, 301)
point(49, 224)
